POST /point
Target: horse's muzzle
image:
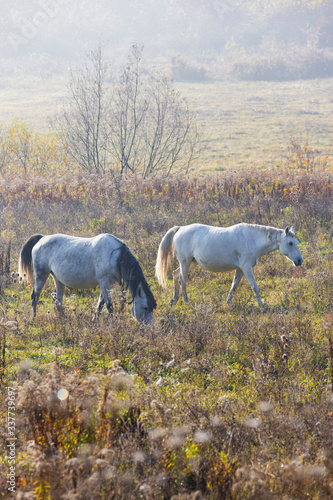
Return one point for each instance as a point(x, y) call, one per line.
point(298, 262)
point(149, 319)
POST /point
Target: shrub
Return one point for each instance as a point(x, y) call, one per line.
point(294, 64)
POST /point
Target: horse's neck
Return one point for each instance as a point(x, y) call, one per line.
point(271, 240)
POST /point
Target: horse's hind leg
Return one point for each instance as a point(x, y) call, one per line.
point(184, 267)
point(39, 283)
point(179, 277)
point(59, 294)
point(238, 276)
point(176, 275)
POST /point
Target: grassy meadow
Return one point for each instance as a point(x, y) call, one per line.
point(242, 124)
point(212, 402)
point(226, 401)
point(249, 124)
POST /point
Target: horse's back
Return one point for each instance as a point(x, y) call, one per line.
point(75, 261)
point(59, 241)
point(213, 248)
point(56, 241)
point(198, 235)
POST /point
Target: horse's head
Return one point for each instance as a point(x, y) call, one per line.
point(143, 305)
point(289, 246)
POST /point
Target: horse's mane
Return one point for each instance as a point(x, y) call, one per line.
point(271, 232)
point(131, 274)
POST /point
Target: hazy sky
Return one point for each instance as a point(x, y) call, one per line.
point(66, 28)
point(58, 33)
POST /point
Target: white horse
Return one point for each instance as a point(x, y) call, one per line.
point(222, 249)
point(84, 263)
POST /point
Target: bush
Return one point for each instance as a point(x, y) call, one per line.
point(184, 71)
point(295, 64)
point(26, 151)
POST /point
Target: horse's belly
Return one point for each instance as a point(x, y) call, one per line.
point(76, 279)
point(216, 265)
point(79, 284)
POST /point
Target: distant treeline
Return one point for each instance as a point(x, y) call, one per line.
point(195, 40)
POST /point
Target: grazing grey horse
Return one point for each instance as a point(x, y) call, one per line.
point(222, 249)
point(84, 263)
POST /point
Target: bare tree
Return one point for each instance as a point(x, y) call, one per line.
point(170, 133)
point(81, 126)
point(4, 148)
point(21, 145)
point(153, 130)
point(134, 123)
point(127, 115)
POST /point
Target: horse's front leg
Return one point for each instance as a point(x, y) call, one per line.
point(99, 306)
point(237, 277)
point(248, 273)
point(58, 295)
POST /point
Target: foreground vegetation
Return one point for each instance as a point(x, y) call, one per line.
point(229, 402)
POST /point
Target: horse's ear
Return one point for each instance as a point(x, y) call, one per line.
point(292, 230)
point(286, 231)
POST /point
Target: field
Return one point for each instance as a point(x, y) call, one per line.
point(243, 124)
point(249, 124)
point(212, 402)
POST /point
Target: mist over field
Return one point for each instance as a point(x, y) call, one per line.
point(48, 35)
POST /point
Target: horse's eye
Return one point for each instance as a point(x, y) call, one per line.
point(290, 243)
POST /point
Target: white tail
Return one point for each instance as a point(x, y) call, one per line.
point(164, 256)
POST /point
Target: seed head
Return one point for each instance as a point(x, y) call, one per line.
point(201, 436)
point(253, 423)
point(265, 406)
